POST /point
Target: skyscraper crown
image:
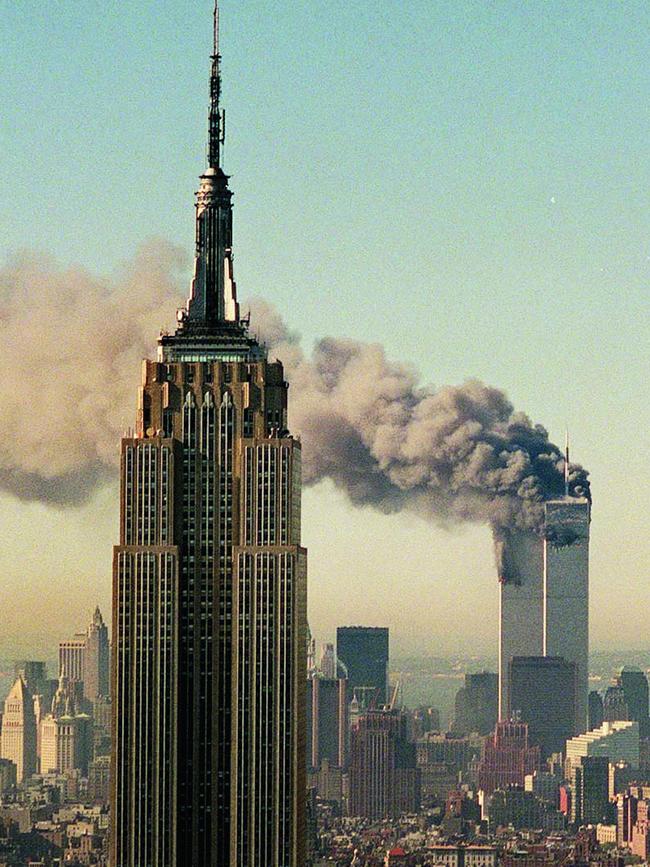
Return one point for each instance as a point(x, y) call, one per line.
point(210, 326)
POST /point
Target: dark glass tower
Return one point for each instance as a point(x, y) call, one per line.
point(363, 650)
point(542, 693)
point(209, 586)
point(635, 690)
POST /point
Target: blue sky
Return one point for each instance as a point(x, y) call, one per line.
point(464, 182)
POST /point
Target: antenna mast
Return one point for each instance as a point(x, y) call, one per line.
point(217, 116)
point(566, 463)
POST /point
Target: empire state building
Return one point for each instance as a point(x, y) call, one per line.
point(209, 585)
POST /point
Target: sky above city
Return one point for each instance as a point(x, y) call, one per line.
point(464, 183)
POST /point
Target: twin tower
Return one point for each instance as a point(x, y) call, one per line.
point(544, 599)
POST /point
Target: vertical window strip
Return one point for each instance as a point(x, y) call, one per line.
point(128, 496)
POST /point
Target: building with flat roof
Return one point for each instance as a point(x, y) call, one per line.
point(544, 596)
point(542, 693)
point(476, 707)
point(617, 741)
point(384, 779)
point(589, 789)
point(507, 758)
point(363, 650)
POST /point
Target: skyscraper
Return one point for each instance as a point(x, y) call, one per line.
point(566, 591)
point(363, 650)
point(71, 657)
point(542, 694)
point(65, 733)
point(507, 758)
point(477, 703)
point(596, 710)
point(209, 585)
point(328, 712)
point(590, 790)
point(34, 673)
point(84, 658)
point(545, 611)
point(328, 662)
point(384, 779)
point(635, 690)
point(96, 658)
point(521, 607)
point(19, 730)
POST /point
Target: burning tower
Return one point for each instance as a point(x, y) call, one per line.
point(544, 594)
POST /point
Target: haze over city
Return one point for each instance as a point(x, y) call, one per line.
point(395, 184)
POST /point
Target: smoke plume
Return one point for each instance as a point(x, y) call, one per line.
point(71, 354)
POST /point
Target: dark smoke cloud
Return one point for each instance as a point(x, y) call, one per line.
point(72, 348)
point(459, 453)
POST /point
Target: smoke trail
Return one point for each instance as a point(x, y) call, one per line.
point(70, 353)
point(73, 345)
point(459, 453)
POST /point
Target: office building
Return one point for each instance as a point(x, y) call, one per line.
point(96, 659)
point(327, 711)
point(544, 596)
point(589, 790)
point(618, 741)
point(363, 650)
point(596, 710)
point(462, 855)
point(34, 674)
point(521, 606)
point(209, 585)
point(507, 758)
point(99, 773)
point(384, 779)
point(476, 706)
point(542, 694)
point(424, 720)
point(18, 741)
point(634, 684)
point(544, 786)
point(444, 761)
point(65, 742)
point(614, 704)
point(627, 814)
point(566, 591)
point(71, 657)
point(84, 658)
point(328, 662)
point(514, 807)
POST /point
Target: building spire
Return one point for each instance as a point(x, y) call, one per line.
point(212, 306)
point(566, 462)
point(217, 117)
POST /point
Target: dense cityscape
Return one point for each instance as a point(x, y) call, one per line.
point(209, 727)
point(386, 783)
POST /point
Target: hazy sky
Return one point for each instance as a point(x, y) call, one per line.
point(464, 182)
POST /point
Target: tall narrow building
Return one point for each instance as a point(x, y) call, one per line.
point(18, 736)
point(209, 585)
point(96, 659)
point(566, 591)
point(544, 601)
point(363, 653)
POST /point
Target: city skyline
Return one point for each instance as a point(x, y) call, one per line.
point(438, 563)
point(428, 181)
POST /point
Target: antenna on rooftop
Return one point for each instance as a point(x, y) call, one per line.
point(566, 463)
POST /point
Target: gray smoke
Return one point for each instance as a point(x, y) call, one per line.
point(70, 354)
point(72, 348)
